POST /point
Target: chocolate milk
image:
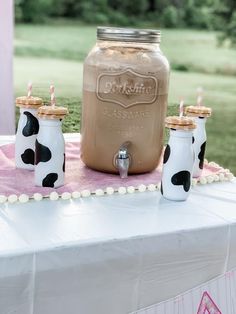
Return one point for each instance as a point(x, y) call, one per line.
point(125, 89)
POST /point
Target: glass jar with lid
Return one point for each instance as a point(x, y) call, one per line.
point(125, 91)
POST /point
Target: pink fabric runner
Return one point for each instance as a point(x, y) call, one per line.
point(78, 176)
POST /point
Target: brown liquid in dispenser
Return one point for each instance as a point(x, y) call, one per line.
point(124, 100)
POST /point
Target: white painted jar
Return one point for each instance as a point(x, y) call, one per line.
point(199, 114)
point(27, 130)
point(50, 149)
point(178, 164)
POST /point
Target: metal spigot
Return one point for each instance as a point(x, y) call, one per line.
point(123, 160)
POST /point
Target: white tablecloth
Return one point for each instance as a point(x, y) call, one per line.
point(113, 254)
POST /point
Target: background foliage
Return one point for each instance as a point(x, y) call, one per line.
point(201, 14)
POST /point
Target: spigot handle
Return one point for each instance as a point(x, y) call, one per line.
point(123, 160)
point(123, 167)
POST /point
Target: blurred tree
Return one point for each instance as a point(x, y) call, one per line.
point(95, 11)
point(119, 19)
point(151, 5)
point(58, 8)
point(231, 29)
point(215, 14)
point(18, 11)
point(226, 13)
point(160, 5)
point(170, 17)
point(35, 11)
point(137, 8)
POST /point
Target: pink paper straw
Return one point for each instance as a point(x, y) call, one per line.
point(52, 93)
point(199, 97)
point(181, 108)
point(29, 90)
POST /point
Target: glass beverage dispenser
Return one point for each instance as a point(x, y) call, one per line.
point(125, 90)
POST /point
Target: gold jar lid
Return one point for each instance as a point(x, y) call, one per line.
point(29, 102)
point(198, 111)
point(52, 112)
point(180, 123)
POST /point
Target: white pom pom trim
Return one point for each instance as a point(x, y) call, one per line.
point(66, 196)
point(142, 188)
point(221, 176)
point(3, 199)
point(76, 194)
point(99, 192)
point(151, 187)
point(85, 193)
point(230, 176)
point(122, 190)
point(12, 198)
point(110, 190)
point(203, 180)
point(216, 178)
point(54, 196)
point(23, 198)
point(38, 196)
point(130, 189)
point(210, 179)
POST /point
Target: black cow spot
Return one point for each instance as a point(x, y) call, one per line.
point(28, 156)
point(32, 125)
point(193, 139)
point(161, 189)
point(64, 162)
point(201, 155)
point(166, 154)
point(182, 178)
point(49, 180)
point(42, 153)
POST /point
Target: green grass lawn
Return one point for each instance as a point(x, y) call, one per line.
point(46, 54)
point(186, 49)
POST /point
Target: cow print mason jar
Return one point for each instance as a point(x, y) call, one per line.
point(199, 114)
point(27, 130)
point(178, 159)
point(50, 147)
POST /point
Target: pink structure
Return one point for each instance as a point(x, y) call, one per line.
point(7, 108)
